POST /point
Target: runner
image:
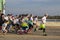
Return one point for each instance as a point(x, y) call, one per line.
point(35, 23)
point(42, 25)
point(4, 25)
point(30, 23)
point(24, 27)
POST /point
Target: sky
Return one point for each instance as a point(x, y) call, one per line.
point(36, 7)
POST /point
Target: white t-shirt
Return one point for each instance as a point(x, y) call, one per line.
point(6, 18)
point(16, 21)
point(10, 18)
point(35, 20)
point(43, 20)
point(23, 20)
point(31, 18)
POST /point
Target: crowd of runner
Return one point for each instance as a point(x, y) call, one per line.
point(20, 24)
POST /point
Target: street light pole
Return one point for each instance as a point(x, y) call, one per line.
point(2, 6)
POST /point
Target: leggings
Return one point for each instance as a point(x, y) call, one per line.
point(42, 29)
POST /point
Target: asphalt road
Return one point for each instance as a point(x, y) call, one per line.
point(53, 33)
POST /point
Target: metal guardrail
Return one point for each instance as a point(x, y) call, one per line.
point(52, 20)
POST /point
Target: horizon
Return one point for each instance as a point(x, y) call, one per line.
point(36, 7)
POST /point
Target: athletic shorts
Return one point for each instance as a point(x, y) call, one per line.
point(34, 23)
point(42, 26)
point(30, 26)
point(24, 28)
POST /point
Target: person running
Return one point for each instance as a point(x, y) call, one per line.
point(10, 20)
point(2, 20)
point(4, 26)
point(16, 24)
point(30, 23)
point(35, 23)
point(42, 25)
point(24, 26)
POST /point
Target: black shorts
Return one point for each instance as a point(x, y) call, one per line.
point(34, 23)
point(41, 28)
point(30, 26)
point(15, 24)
